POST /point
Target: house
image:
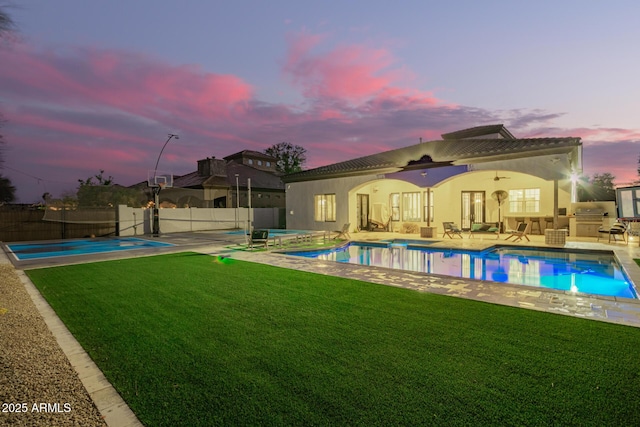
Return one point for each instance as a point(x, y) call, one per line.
point(220, 183)
point(452, 179)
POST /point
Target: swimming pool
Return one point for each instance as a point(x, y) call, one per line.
point(590, 272)
point(28, 251)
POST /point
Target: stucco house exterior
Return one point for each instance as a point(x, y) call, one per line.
point(452, 179)
point(224, 183)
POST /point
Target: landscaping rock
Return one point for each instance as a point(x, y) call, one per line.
point(38, 385)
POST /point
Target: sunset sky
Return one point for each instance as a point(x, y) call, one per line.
point(91, 85)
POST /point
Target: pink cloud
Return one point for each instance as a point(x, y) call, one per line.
point(50, 124)
point(73, 112)
point(133, 83)
point(355, 73)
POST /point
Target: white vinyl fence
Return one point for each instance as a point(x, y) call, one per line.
point(137, 221)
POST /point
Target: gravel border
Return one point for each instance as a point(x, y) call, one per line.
point(36, 378)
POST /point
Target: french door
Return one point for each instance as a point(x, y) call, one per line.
point(473, 208)
point(362, 211)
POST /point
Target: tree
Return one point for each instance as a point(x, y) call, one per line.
point(7, 190)
point(6, 28)
point(600, 187)
point(6, 23)
point(290, 157)
point(105, 193)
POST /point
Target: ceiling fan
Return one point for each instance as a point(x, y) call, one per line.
point(498, 178)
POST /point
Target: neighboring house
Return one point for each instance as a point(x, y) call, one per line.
point(220, 183)
point(452, 179)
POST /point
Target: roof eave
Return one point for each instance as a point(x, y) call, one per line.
point(315, 177)
point(515, 155)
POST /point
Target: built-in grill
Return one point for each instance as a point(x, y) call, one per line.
point(588, 221)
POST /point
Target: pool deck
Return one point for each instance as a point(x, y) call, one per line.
point(621, 311)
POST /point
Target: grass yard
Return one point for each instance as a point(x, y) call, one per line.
point(191, 340)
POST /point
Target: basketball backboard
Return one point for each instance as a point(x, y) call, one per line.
point(158, 178)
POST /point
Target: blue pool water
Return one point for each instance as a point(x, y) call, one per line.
point(27, 251)
point(597, 273)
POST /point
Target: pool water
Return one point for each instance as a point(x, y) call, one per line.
point(27, 251)
point(592, 272)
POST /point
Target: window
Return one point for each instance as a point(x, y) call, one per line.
point(268, 164)
point(428, 209)
point(325, 207)
point(250, 161)
point(395, 206)
point(525, 200)
point(259, 162)
point(411, 207)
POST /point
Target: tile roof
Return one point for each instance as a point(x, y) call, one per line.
point(259, 179)
point(479, 131)
point(440, 153)
point(251, 154)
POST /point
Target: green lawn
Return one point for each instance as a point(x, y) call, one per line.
point(188, 339)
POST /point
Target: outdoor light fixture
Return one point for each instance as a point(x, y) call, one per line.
point(574, 177)
point(171, 135)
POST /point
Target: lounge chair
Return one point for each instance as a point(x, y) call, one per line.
point(520, 232)
point(451, 229)
point(259, 237)
point(344, 232)
point(617, 229)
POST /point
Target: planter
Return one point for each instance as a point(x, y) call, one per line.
point(428, 232)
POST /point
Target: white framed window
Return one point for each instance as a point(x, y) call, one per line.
point(524, 200)
point(411, 207)
point(324, 207)
point(428, 205)
point(395, 206)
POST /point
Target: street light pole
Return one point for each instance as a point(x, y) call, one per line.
point(156, 190)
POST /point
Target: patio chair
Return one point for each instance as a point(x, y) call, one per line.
point(520, 232)
point(617, 229)
point(451, 229)
point(259, 237)
point(344, 232)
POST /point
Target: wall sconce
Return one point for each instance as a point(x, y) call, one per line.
point(375, 189)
